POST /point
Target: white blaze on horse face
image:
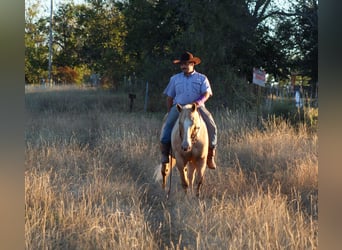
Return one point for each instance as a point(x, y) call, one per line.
point(186, 143)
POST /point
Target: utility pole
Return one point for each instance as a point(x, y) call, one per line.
point(50, 45)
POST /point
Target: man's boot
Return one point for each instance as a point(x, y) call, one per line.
point(165, 150)
point(210, 159)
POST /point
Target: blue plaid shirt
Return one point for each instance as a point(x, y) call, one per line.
point(187, 89)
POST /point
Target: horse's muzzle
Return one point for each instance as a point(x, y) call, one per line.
point(185, 147)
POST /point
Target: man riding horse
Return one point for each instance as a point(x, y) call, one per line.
point(186, 87)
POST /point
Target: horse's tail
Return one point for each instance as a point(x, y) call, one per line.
point(162, 171)
point(157, 173)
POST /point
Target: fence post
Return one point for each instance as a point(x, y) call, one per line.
point(131, 96)
point(146, 97)
point(258, 104)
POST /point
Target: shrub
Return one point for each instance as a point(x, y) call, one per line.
point(287, 110)
point(66, 75)
point(284, 109)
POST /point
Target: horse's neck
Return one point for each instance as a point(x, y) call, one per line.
point(200, 120)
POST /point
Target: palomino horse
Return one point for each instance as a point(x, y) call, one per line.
point(189, 140)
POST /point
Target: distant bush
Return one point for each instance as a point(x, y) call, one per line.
point(287, 110)
point(66, 75)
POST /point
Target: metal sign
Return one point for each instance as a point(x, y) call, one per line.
point(259, 77)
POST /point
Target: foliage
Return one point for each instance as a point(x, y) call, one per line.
point(284, 109)
point(66, 38)
point(297, 32)
point(66, 75)
point(118, 39)
point(287, 110)
point(83, 73)
point(36, 50)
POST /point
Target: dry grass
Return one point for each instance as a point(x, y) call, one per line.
point(89, 182)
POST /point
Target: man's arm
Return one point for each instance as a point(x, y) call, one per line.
point(203, 98)
point(169, 102)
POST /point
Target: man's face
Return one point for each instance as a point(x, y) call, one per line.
point(187, 67)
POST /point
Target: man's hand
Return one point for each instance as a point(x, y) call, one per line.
point(202, 99)
point(169, 102)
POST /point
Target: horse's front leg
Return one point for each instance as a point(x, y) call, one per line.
point(200, 166)
point(191, 174)
point(181, 165)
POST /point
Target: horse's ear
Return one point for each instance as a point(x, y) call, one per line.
point(194, 106)
point(179, 107)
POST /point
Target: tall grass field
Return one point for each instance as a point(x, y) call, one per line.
point(91, 182)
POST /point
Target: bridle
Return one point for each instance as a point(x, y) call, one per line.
point(194, 134)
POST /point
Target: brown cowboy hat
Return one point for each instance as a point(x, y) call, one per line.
point(187, 57)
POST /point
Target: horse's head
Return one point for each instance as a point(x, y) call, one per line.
point(188, 125)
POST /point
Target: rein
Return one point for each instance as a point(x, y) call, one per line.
point(168, 193)
point(194, 135)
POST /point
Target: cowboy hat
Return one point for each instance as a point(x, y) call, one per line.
point(187, 57)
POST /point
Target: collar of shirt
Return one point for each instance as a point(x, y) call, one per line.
point(191, 74)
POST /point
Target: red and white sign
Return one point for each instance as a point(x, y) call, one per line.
point(259, 77)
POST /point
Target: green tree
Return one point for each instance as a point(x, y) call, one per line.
point(65, 38)
point(297, 31)
point(153, 28)
point(141, 37)
point(90, 36)
point(306, 37)
point(103, 31)
point(36, 49)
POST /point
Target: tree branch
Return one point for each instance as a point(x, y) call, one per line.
point(282, 13)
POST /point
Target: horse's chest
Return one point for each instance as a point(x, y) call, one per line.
point(194, 153)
